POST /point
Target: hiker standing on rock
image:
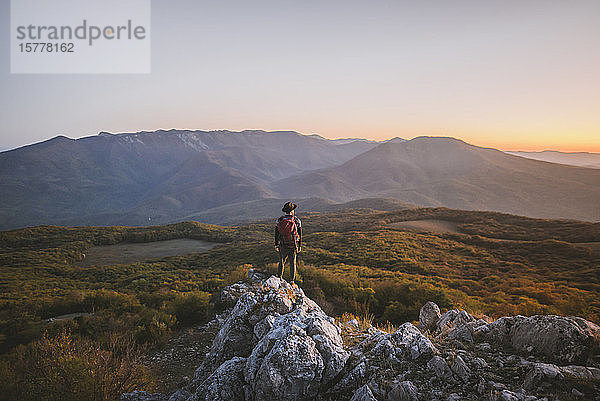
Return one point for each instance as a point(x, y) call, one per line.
point(288, 239)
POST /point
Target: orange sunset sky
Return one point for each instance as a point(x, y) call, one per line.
point(511, 74)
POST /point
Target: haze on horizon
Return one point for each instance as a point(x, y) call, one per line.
point(511, 75)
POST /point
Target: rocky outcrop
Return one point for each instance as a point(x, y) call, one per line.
point(277, 344)
point(562, 339)
point(556, 338)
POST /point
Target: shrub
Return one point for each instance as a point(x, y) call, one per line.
point(190, 308)
point(71, 369)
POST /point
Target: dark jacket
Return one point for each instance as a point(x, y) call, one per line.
point(298, 227)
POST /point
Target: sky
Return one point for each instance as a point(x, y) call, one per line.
point(509, 74)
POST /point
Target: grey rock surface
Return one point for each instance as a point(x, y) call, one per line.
point(441, 369)
point(452, 319)
point(364, 393)
point(429, 316)
point(542, 373)
point(226, 383)
point(561, 339)
point(277, 344)
point(403, 391)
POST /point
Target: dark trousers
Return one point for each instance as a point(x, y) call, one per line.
point(287, 253)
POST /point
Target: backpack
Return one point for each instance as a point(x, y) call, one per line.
point(288, 230)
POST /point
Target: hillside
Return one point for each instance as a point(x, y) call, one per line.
point(246, 212)
point(353, 261)
point(163, 175)
point(448, 172)
point(222, 177)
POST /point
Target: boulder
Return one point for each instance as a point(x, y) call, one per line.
point(559, 339)
point(230, 294)
point(584, 374)
point(276, 344)
point(497, 332)
point(429, 316)
point(225, 384)
point(441, 369)
point(460, 369)
point(364, 393)
point(355, 375)
point(285, 365)
point(452, 319)
point(408, 340)
point(542, 373)
point(403, 391)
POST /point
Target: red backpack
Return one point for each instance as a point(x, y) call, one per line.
point(288, 230)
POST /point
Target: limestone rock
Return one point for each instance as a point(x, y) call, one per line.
point(498, 332)
point(230, 294)
point(560, 339)
point(276, 344)
point(541, 373)
point(403, 391)
point(587, 374)
point(429, 316)
point(285, 366)
point(264, 326)
point(453, 319)
point(225, 384)
point(441, 369)
point(364, 393)
point(460, 369)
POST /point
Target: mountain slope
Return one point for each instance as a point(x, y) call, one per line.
point(154, 174)
point(448, 172)
point(581, 159)
point(165, 176)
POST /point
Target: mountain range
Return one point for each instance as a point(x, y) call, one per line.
point(223, 176)
point(581, 159)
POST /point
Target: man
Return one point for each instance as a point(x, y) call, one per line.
point(288, 239)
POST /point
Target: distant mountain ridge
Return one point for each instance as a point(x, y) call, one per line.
point(437, 171)
point(164, 176)
point(581, 159)
point(161, 175)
